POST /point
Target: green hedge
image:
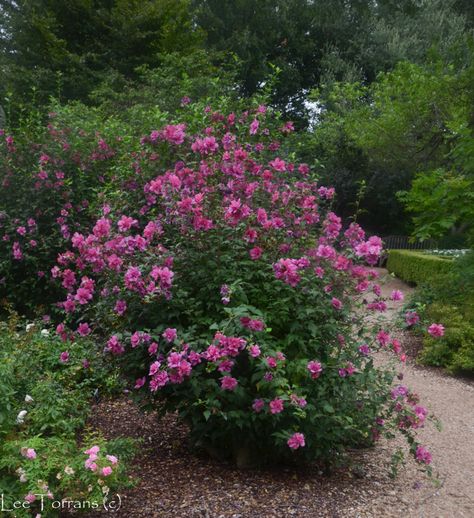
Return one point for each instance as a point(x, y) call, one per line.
point(417, 267)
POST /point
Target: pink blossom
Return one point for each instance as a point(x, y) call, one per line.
point(255, 253)
point(112, 459)
point(315, 368)
point(411, 318)
point(228, 383)
point(64, 357)
point(436, 330)
point(83, 329)
point(296, 441)
point(258, 405)
point(423, 455)
point(106, 471)
point(397, 295)
point(276, 406)
point(170, 334)
point(336, 303)
point(254, 351)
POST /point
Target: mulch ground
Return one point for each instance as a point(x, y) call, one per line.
point(173, 481)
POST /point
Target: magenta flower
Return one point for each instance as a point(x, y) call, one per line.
point(315, 368)
point(64, 357)
point(422, 455)
point(83, 329)
point(229, 383)
point(106, 471)
point(258, 405)
point(296, 441)
point(436, 330)
point(170, 334)
point(254, 351)
point(397, 295)
point(276, 406)
point(336, 303)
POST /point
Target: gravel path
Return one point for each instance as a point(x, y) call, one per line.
point(174, 482)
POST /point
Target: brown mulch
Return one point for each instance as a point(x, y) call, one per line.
point(176, 482)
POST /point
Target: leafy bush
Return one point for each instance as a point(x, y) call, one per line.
point(417, 267)
point(450, 299)
point(41, 411)
point(223, 283)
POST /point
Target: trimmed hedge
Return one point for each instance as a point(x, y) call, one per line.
point(417, 267)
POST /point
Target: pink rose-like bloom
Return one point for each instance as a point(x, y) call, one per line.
point(296, 441)
point(436, 330)
point(30, 498)
point(106, 471)
point(170, 334)
point(83, 329)
point(276, 406)
point(315, 368)
point(254, 351)
point(256, 253)
point(271, 362)
point(139, 383)
point(411, 318)
point(64, 357)
point(397, 295)
point(258, 405)
point(336, 303)
point(94, 450)
point(120, 307)
point(423, 455)
point(229, 383)
point(112, 459)
point(29, 453)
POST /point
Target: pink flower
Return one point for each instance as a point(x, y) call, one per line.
point(254, 127)
point(228, 383)
point(64, 357)
point(411, 318)
point(422, 455)
point(258, 405)
point(254, 351)
point(30, 498)
point(336, 303)
point(397, 295)
point(256, 253)
point(125, 223)
point(276, 406)
point(315, 368)
point(112, 459)
point(170, 334)
point(436, 330)
point(296, 441)
point(140, 382)
point(83, 329)
point(120, 307)
point(29, 453)
point(94, 450)
point(106, 471)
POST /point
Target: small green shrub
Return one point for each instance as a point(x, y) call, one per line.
point(417, 267)
point(449, 299)
point(44, 403)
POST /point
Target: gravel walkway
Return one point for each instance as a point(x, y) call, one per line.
point(174, 482)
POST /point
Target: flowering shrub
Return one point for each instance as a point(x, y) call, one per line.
point(49, 178)
point(41, 412)
point(228, 290)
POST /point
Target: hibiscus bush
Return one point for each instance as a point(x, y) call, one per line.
point(227, 290)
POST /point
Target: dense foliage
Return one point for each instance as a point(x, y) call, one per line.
point(41, 412)
point(450, 298)
point(418, 267)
